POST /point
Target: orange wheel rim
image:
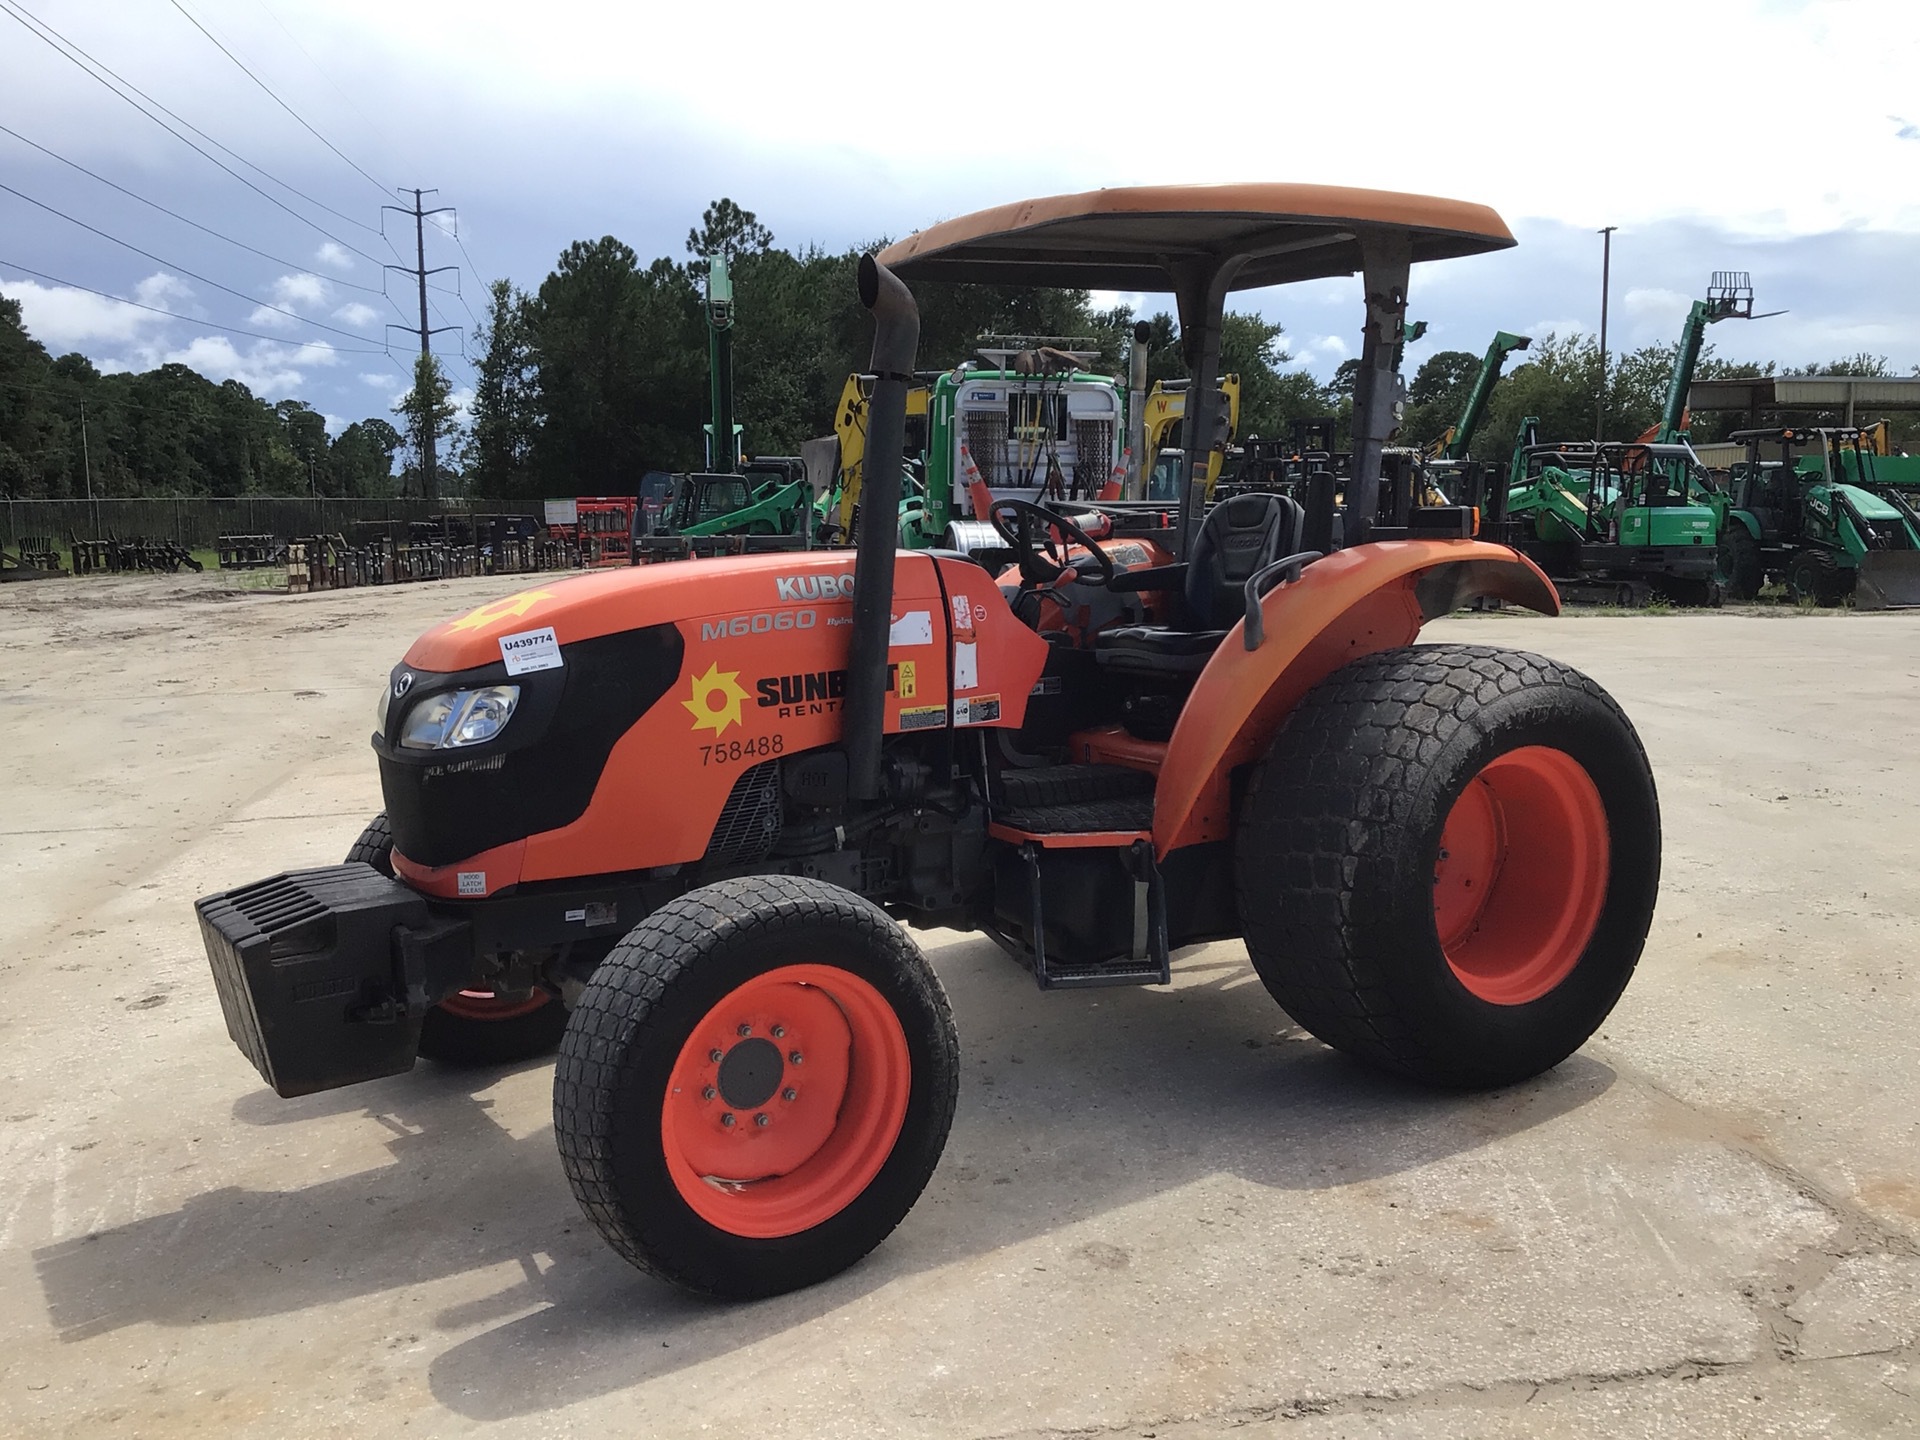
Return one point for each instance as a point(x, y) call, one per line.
point(1521, 876)
point(485, 1005)
point(785, 1101)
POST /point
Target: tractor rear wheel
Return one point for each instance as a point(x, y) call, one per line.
point(1448, 861)
point(755, 1086)
point(1740, 569)
point(474, 1027)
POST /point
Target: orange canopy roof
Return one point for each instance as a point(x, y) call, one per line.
point(1127, 239)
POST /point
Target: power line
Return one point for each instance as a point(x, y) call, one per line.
point(95, 70)
point(352, 104)
point(204, 229)
point(158, 260)
point(275, 98)
point(175, 315)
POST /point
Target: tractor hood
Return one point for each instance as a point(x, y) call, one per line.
point(1866, 504)
point(583, 607)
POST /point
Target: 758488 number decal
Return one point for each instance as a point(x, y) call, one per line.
point(735, 752)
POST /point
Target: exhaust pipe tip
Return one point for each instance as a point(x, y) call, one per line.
point(869, 281)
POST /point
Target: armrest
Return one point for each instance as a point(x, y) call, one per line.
point(1263, 580)
point(1156, 577)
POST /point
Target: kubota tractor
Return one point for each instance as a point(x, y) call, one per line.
point(678, 819)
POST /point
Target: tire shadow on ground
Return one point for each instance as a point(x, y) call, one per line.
point(1082, 1103)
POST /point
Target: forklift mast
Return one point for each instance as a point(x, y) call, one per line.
point(1730, 296)
point(723, 436)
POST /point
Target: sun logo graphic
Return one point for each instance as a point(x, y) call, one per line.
point(511, 608)
point(717, 698)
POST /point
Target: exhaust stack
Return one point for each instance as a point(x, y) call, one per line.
point(896, 337)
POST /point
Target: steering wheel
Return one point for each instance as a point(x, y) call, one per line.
point(1053, 526)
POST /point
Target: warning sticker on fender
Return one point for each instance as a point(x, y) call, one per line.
point(531, 650)
point(923, 717)
point(977, 710)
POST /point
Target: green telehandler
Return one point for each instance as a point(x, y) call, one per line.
point(731, 506)
point(1804, 507)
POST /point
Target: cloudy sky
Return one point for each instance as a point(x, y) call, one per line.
point(1780, 137)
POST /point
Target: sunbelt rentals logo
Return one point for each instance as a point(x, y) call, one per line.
point(715, 700)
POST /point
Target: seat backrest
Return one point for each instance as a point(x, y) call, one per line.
point(1238, 537)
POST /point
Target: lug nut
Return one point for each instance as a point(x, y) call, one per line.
point(794, 1058)
point(727, 1119)
point(760, 1119)
point(715, 1056)
point(789, 1094)
point(779, 1032)
point(708, 1093)
point(745, 1030)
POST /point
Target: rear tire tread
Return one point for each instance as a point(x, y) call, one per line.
point(1335, 798)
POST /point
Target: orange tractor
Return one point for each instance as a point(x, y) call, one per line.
point(678, 820)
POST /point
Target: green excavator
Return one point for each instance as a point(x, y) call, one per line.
point(1628, 520)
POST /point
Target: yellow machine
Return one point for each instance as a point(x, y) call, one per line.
point(1165, 409)
point(850, 428)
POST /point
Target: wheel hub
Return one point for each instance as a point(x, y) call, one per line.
point(751, 1073)
point(785, 1100)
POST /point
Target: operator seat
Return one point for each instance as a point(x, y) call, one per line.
point(1238, 537)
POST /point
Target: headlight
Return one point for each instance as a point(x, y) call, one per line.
point(380, 708)
point(456, 718)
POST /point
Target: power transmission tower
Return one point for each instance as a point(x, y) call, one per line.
point(428, 481)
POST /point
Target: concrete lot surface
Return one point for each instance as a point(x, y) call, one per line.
point(1162, 1212)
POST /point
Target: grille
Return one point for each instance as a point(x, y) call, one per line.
point(987, 443)
point(749, 823)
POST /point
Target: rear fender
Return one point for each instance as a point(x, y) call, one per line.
point(1353, 603)
point(1752, 524)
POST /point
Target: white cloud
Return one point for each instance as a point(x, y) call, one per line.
point(335, 254)
point(64, 319)
point(217, 358)
point(1540, 329)
point(268, 369)
point(356, 314)
point(163, 291)
point(1319, 350)
point(1659, 308)
point(388, 382)
point(335, 423)
point(273, 319)
point(293, 291)
point(462, 398)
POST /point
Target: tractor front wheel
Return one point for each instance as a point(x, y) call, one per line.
point(1813, 576)
point(755, 1086)
point(474, 1027)
point(1448, 861)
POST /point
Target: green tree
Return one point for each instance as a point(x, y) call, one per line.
point(726, 229)
point(363, 457)
point(1435, 395)
point(506, 414)
point(621, 355)
point(428, 413)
